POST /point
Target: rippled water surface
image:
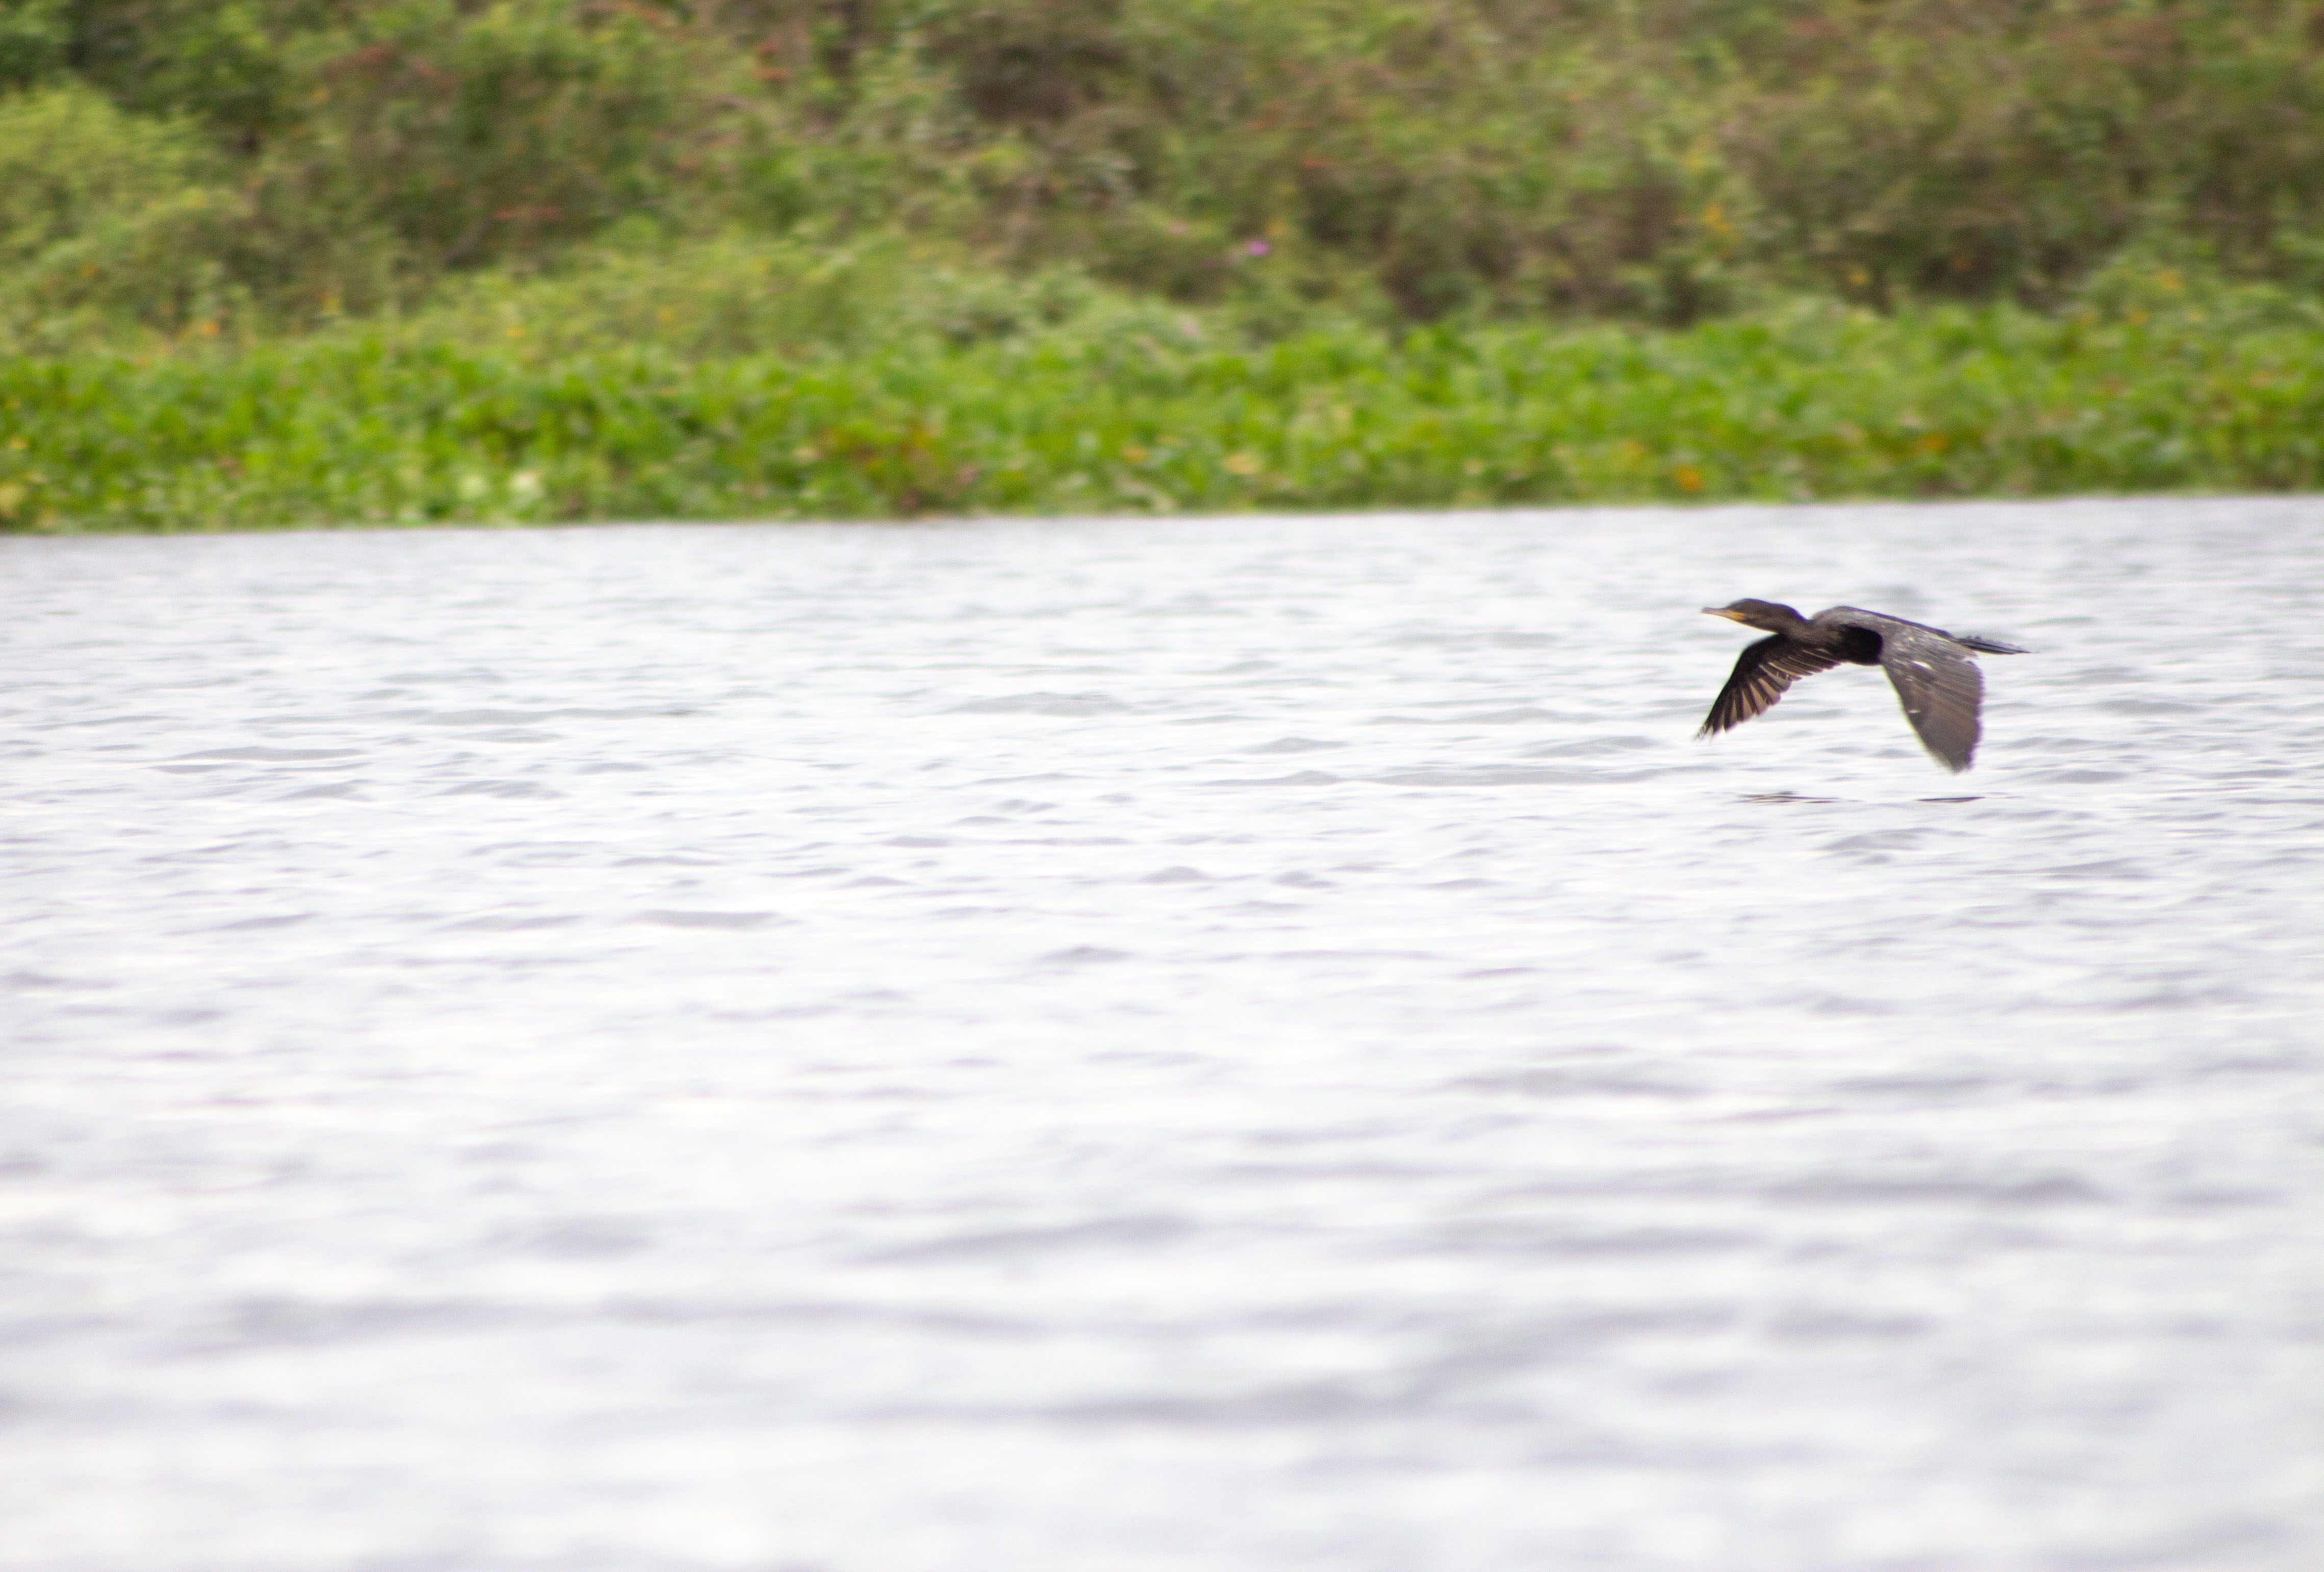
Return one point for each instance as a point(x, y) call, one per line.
point(1228, 1045)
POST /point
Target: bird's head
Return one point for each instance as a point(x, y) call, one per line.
point(1758, 614)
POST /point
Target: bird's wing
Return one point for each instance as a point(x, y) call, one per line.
point(1762, 672)
point(1936, 682)
point(1881, 623)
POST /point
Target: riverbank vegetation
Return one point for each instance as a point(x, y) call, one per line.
point(1823, 400)
point(300, 261)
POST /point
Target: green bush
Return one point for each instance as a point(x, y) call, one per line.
point(1427, 160)
point(107, 218)
point(472, 136)
point(733, 296)
point(34, 35)
point(1109, 412)
point(70, 161)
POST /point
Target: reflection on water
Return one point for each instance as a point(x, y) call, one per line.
point(1220, 1044)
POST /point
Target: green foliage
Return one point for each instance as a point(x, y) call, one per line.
point(505, 130)
point(370, 149)
point(104, 216)
point(1420, 160)
point(730, 297)
point(34, 35)
point(1107, 413)
point(1659, 158)
point(69, 161)
point(310, 261)
point(226, 64)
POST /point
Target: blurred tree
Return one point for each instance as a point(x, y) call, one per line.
point(1655, 159)
point(35, 37)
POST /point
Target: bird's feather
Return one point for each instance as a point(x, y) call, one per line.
point(1937, 683)
point(1762, 672)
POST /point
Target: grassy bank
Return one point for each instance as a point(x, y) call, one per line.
point(1816, 400)
point(283, 262)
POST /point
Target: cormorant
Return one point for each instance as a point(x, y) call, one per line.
point(1935, 680)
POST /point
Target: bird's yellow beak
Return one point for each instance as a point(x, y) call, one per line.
point(1732, 616)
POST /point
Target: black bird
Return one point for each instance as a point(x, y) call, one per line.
point(1937, 682)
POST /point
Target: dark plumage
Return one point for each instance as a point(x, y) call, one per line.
point(1935, 677)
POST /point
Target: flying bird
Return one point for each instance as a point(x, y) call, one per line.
point(1935, 679)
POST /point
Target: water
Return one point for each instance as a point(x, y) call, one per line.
point(1229, 1045)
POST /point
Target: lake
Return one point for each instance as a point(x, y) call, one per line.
point(1230, 1045)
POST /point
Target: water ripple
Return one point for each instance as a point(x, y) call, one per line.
point(1090, 1046)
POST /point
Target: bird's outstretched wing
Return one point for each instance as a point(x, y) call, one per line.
point(1936, 682)
point(1762, 672)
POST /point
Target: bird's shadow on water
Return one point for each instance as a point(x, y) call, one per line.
point(1803, 797)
